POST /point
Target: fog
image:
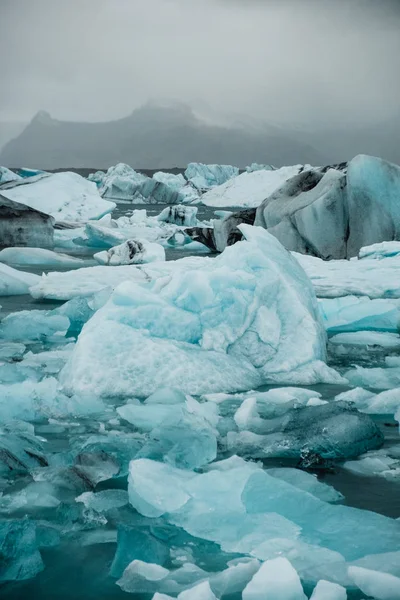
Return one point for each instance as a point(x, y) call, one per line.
point(286, 62)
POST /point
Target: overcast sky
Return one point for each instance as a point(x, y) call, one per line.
point(281, 60)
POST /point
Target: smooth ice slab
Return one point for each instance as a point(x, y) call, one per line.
point(382, 586)
point(326, 590)
point(248, 190)
point(13, 282)
point(248, 317)
point(65, 196)
point(37, 256)
point(337, 278)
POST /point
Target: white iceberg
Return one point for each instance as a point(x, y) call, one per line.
point(277, 579)
point(248, 317)
point(65, 196)
point(121, 182)
point(382, 586)
point(248, 190)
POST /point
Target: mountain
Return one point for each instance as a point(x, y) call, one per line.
point(154, 136)
point(10, 130)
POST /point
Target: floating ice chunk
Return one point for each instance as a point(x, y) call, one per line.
point(367, 338)
point(357, 395)
point(121, 182)
point(308, 483)
point(236, 336)
point(82, 282)
point(104, 500)
point(148, 492)
point(146, 417)
point(21, 225)
point(179, 215)
point(19, 555)
point(202, 591)
point(175, 182)
point(335, 278)
point(140, 576)
point(204, 177)
point(13, 282)
point(33, 325)
point(330, 431)
point(37, 256)
point(184, 439)
point(247, 416)
point(276, 580)
point(326, 590)
point(132, 252)
point(375, 463)
point(248, 190)
point(34, 496)
point(380, 250)
point(354, 314)
point(377, 378)
point(11, 350)
point(65, 196)
point(382, 586)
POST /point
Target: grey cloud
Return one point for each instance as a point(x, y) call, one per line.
point(297, 61)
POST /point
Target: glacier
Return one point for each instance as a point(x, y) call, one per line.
point(225, 330)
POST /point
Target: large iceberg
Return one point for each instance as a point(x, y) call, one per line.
point(248, 317)
point(204, 177)
point(249, 189)
point(65, 196)
point(326, 212)
point(121, 182)
point(308, 214)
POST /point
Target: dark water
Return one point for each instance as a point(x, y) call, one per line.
point(76, 572)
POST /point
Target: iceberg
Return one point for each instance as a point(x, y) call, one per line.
point(132, 252)
point(248, 190)
point(326, 590)
point(13, 282)
point(308, 214)
point(353, 314)
point(65, 196)
point(256, 167)
point(382, 586)
point(7, 175)
point(311, 433)
point(367, 338)
point(179, 215)
point(373, 188)
point(21, 225)
point(338, 278)
point(379, 251)
point(204, 177)
point(377, 378)
point(38, 256)
point(243, 509)
point(121, 182)
point(275, 580)
point(233, 327)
